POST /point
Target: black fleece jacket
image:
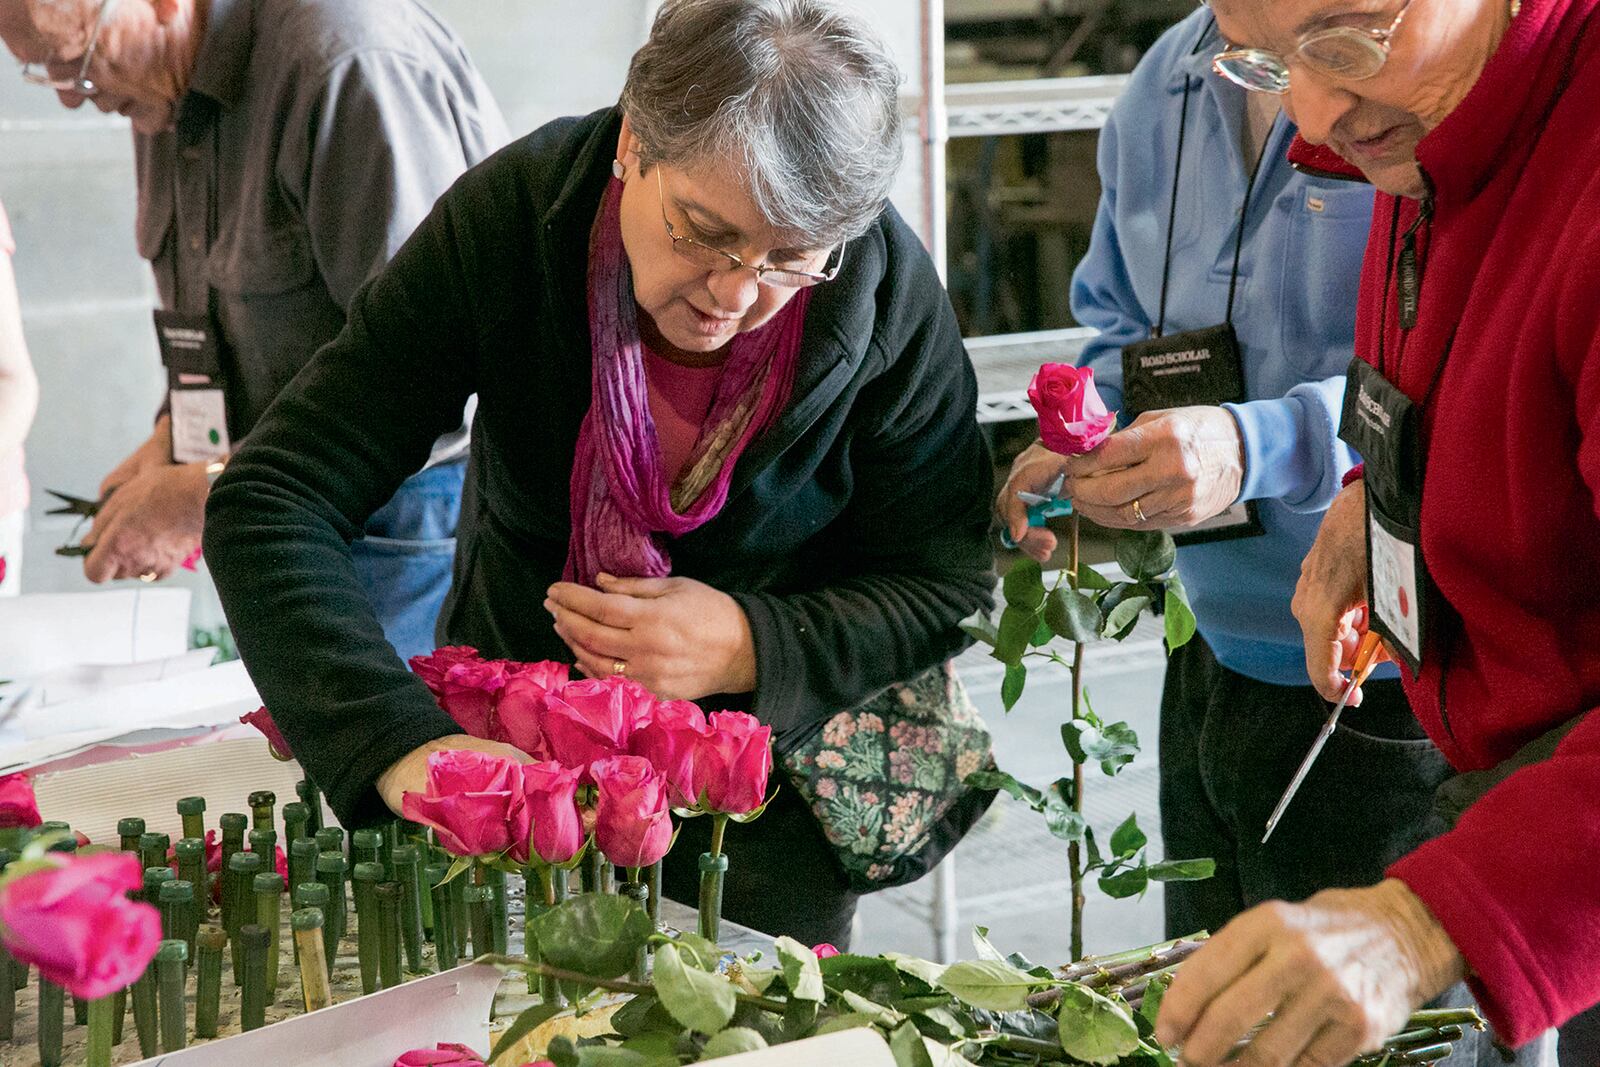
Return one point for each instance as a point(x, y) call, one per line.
point(854, 535)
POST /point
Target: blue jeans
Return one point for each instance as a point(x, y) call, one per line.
point(405, 556)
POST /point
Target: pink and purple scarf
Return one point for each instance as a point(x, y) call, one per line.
point(623, 506)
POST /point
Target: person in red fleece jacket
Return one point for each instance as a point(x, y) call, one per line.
point(1480, 303)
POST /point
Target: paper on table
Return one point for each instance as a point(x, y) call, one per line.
point(45, 631)
point(861, 1047)
point(85, 679)
point(212, 697)
point(370, 1031)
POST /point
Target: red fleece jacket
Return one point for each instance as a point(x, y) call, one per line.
point(1510, 307)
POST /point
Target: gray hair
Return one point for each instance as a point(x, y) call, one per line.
point(801, 97)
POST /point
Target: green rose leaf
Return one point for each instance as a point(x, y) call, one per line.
point(925, 970)
point(1072, 732)
point(698, 951)
point(1128, 883)
point(642, 1014)
point(760, 978)
point(1001, 780)
point(1121, 619)
point(906, 1045)
point(1115, 747)
point(1150, 1007)
point(978, 627)
point(983, 946)
point(522, 1026)
point(1089, 578)
point(595, 934)
point(1146, 554)
point(1177, 615)
point(993, 985)
point(1024, 585)
point(731, 1042)
point(1092, 1028)
point(801, 971)
point(698, 1000)
point(879, 1014)
point(1042, 634)
point(1072, 614)
point(1183, 870)
point(1011, 688)
point(850, 1020)
point(1091, 849)
point(1016, 628)
point(1127, 838)
point(1061, 820)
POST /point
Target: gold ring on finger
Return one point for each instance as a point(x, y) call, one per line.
point(1138, 513)
point(148, 576)
point(619, 666)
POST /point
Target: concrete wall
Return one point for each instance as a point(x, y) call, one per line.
point(67, 181)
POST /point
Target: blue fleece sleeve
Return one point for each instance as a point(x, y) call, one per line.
point(1292, 448)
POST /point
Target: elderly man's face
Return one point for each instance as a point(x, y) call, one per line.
point(142, 58)
point(1436, 55)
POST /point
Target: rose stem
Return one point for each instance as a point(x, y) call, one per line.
point(52, 1015)
point(388, 894)
point(408, 872)
point(171, 964)
point(268, 886)
point(364, 878)
point(331, 868)
point(314, 989)
point(262, 802)
point(444, 932)
point(480, 908)
point(253, 1011)
point(193, 812)
point(209, 943)
point(101, 1020)
point(242, 871)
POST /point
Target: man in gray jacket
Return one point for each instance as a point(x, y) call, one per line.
point(285, 149)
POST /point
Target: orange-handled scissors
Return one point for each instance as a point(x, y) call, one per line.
point(1366, 659)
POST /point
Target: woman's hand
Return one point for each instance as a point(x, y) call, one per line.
point(1339, 973)
point(409, 773)
point(1181, 465)
point(1330, 597)
point(679, 638)
point(150, 525)
point(156, 451)
point(1031, 472)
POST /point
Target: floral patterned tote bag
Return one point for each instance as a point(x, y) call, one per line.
point(884, 779)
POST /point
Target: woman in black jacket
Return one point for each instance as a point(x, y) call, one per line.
point(725, 441)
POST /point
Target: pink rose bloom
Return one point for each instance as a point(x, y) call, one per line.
point(520, 707)
point(733, 762)
point(669, 739)
point(633, 825)
point(73, 921)
point(474, 800)
point(550, 793)
point(432, 667)
point(468, 694)
point(824, 950)
point(593, 718)
point(442, 1055)
point(261, 719)
point(19, 809)
point(1072, 417)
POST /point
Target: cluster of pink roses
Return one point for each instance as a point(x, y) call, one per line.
point(641, 756)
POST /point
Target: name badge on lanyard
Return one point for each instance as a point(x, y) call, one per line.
point(195, 389)
point(1194, 367)
point(1382, 424)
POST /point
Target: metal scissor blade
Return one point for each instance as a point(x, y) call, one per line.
point(74, 505)
point(1305, 764)
point(1051, 494)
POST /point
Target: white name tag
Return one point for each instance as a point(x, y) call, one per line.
point(199, 425)
point(1394, 586)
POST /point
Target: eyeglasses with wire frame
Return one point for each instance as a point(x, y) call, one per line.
point(82, 85)
point(715, 259)
point(1348, 53)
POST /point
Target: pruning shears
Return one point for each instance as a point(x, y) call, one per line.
point(1041, 506)
point(1366, 660)
point(83, 508)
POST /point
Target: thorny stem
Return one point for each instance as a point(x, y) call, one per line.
point(1075, 849)
point(616, 985)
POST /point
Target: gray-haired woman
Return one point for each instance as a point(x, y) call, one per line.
point(725, 440)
